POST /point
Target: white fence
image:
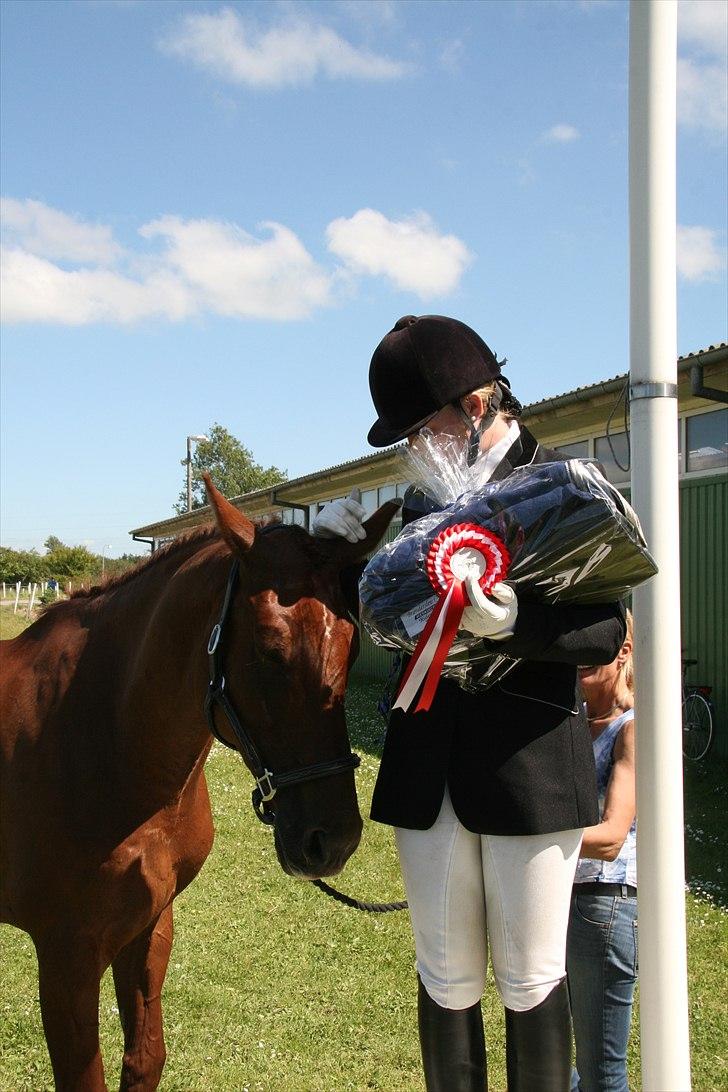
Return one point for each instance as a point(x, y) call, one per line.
point(26, 595)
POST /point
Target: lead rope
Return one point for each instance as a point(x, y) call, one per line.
point(357, 904)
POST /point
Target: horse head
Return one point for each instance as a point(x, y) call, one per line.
point(290, 640)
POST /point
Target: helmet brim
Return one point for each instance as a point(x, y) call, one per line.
point(383, 435)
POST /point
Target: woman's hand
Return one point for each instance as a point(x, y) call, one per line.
point(491, 616)
point(342, 518)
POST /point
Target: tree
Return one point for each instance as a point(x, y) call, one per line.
point(230, 465)
point(114, 566)
point(71, 562)
point(26, 566)
point(62, 562)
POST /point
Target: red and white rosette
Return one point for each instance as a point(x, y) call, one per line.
point(457, 553)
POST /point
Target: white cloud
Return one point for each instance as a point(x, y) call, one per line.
point(49, 233)
point(702, 99)
point(233, 273)
point(291, 54)
point(699, 258)
point(201, 266)
point(702, 78)
point(34, 289)
point(410, 252)
point(560, 134)
point(703, 24)
point(183, 268)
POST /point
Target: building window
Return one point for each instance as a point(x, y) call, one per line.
point(579, 450)
point(707, 440)
point(603, 451)
point(402, 488)
point(369, 500)
point(680, 459)
point(387, 492)
point(293, 515)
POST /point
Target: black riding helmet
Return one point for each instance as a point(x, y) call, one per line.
point(422, 365)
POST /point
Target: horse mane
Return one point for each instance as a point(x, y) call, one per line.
point(206, 532)
point(196, 537)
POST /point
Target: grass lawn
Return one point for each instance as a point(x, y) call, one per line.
point(273, 987)
point(12, 624)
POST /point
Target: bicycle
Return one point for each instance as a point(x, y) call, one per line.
point(697, 717)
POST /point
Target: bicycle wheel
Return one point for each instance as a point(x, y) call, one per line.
point(697, 725)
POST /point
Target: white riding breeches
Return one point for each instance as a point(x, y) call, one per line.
point(465, 890)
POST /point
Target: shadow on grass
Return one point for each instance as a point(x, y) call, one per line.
point(367, 726)
point(706, 801)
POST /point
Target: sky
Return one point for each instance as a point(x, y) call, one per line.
point(214, 212)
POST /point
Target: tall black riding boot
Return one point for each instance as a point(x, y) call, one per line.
point(453, 1046)
point(538, 1045)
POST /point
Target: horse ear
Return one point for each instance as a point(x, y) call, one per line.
point(352, 554)
point(375, 526)
point(378, 523)
point(235, 528)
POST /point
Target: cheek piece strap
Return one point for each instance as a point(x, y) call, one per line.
point(476, 431)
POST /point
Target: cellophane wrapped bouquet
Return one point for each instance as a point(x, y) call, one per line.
point(556, 532)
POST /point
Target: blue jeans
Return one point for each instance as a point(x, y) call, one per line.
point(601, 962)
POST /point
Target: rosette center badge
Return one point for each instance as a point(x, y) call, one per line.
point(459, 552)
point(466, 549)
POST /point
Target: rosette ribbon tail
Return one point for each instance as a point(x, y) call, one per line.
point(432, 648)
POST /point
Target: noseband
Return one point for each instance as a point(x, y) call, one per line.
point(267, 783)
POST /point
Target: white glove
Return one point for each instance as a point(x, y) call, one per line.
point(494, 618)
point(341, 517)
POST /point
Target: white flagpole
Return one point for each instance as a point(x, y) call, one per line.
point(653, 392)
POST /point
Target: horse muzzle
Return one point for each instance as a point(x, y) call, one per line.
point(316, 852)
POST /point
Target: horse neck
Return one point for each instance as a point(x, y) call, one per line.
point(161, 729)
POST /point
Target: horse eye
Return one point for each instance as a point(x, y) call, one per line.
point(273, 656)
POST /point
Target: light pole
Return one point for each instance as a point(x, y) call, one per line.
point(103, 556)
point(188, 462)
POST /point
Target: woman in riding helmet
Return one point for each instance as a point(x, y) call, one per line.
point(488, 792)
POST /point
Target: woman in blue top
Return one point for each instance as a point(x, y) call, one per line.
point(601, 954)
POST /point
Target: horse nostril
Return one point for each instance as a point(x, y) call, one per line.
point(314, 846)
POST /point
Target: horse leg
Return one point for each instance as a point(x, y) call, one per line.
point(139, 971)
point(69, 977)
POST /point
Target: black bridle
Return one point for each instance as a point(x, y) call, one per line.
point(267, 783)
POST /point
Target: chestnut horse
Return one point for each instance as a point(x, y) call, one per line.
point(105, 813)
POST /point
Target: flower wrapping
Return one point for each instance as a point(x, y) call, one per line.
point(567, 535)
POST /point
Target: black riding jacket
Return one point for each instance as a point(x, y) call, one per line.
point(517, 758)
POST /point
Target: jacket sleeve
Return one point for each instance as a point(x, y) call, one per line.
point(566, 633)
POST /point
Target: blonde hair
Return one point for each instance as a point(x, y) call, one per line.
point(486, 393)
point(628, 666)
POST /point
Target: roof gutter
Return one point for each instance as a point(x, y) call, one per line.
point(584, 395)
point(275, 499)
point(609, 386)
point(699, 390)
